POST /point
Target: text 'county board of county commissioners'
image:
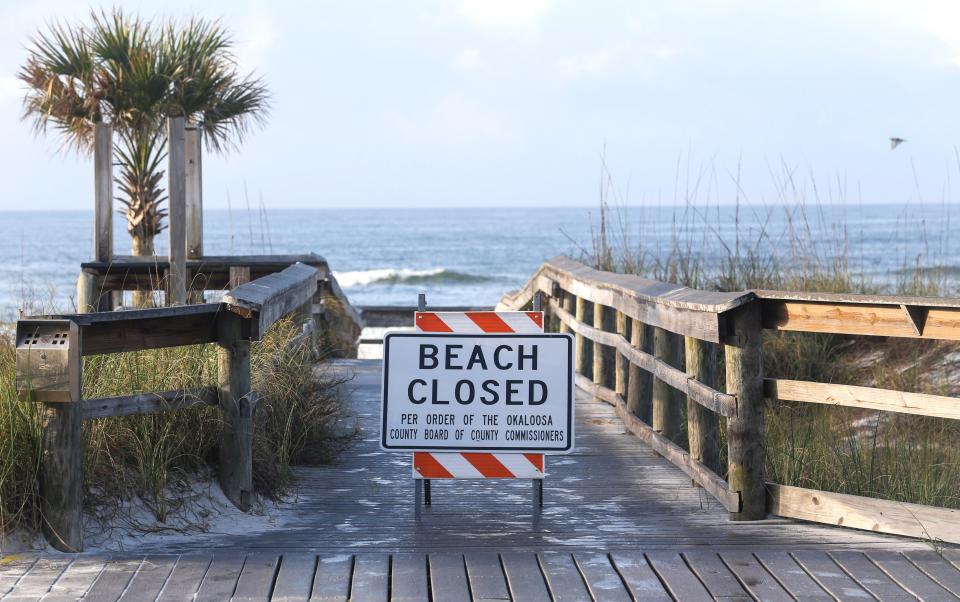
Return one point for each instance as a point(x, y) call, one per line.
point(478, 392)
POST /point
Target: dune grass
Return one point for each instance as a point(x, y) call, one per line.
point(154, 458)
point(878, 454)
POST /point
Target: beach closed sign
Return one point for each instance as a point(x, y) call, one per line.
point(482, 392)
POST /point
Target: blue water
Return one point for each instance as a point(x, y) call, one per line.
point(471, 256)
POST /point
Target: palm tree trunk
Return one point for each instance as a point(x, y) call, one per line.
point(142, 247)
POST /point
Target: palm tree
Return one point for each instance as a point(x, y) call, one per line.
point(133, 74)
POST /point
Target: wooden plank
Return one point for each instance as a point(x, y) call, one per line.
point(221, 577)
point(869, 319)
point(755, 577)
point(791, 575)
point(681, 582)
point(584, 348)
point(602, 578)
point(525, 578)
point(149, 403)
point(12, 568)
point(623, 364)
point(186, 577)
point(103, 192)
point(937, 568)
point(371, 578)
point(666, 406)
point(273, 296)
point(829, 575)
point(193, 192)
point(716, 401)
point(604, 369)
point(639, 382)
point(114, 579)
point(715, 575)
point(408, 578)
point(149, 578)
point(746, 452)
point(448, 578)
point(295, 578)
point(74, 582)
point(38, 580)
point(639, 578)
point(236, 405)
point(870, 398)
point(239, 274)
point(256, 578)
point(61, 476)
point(332, 581)
point(176, 212)
point(908, 576)
point(679, 457)
point(487, 581)
point(88, 293)
point(884, 516)
point(703, 426)
point(563, 577)
point(869, 576)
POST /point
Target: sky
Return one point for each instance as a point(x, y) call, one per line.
point(529, 102)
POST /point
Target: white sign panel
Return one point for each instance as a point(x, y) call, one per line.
point(484, 392)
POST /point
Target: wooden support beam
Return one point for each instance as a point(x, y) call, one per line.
point(886, 320)
point(194, 192)
point(745, 433)
point(703, 426)
point(868, 398)
point(584, 346)
point(176, 218)
point(666, 408)
point(149, 403)
point(568, 305)
point(87, 293)
point(237, 405)
point(623, 364)
point(239, 274)
point(61, 475)
point(103, 192)
point(883, 516)
point(603, 355)
point(640, 382)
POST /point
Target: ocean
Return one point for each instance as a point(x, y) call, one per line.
point(471, 256)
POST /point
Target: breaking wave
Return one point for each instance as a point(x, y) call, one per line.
point(405, 276)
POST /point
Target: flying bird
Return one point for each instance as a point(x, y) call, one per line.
point(895, 142)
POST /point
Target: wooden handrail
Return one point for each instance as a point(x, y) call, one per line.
point(661, 311)
point(268, 299)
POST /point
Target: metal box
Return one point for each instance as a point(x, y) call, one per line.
point(48, 360)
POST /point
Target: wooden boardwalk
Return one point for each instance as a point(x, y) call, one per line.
point(618, 523)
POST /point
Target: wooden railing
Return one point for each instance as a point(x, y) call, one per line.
point(629, 347)
point(49, 371)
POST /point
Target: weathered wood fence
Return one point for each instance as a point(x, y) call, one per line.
point(243, 316)
point(631, 334)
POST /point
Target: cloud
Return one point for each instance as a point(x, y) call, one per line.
point(469, 59)
point(505, 13)
point(607, 60)
point(454, 119)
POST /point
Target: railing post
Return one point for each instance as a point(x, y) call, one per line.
point(666, 410)
point(604, 359)
point(103, 192)
point(87, 292)
point(176, 206)
point(61, 475)
point(569, 306)
point(640, 382)
point(703, 426)
point(584, 346)
point(746, 451)
point(236, 406)
point(194, 192)
point(623, 364)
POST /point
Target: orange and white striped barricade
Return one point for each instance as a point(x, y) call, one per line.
point(483, 414)
point(479, 465)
